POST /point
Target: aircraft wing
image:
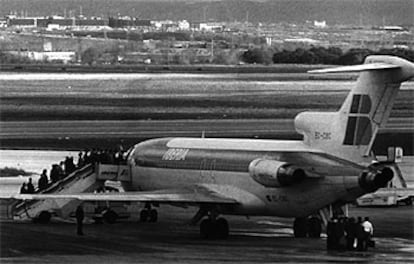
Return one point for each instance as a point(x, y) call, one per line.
point(196, 195)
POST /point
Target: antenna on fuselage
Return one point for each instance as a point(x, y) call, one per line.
point(203, 134)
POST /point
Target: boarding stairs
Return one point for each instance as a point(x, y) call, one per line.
point(86, 179)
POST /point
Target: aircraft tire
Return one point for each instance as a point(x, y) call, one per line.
point(143, 216)
point(300, 227)
point(110, 217)
point(222, 228)
point(44, 217)
point(153, 216)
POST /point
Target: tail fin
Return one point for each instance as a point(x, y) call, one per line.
point(350, 132)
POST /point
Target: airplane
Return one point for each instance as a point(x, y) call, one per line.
point(333, 164)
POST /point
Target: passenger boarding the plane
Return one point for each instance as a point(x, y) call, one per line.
point(43, 181)
point(23, 189)
point(30, 187)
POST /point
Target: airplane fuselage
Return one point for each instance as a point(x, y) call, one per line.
point(222, 165)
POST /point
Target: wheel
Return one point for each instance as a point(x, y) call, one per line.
point(314, 227)
point(153, 216)
point(300, 227)
point(143, 216)
point(110, 217)
point(222, 228)
point(205, 228)
point(44, 217)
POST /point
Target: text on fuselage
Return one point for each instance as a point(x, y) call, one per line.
point(322, 135)
point(175, 154)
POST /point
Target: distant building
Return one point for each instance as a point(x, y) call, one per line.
point(207, 26)
point(269, 41)
point(55, 22)
point(22, 22)
point(183, 25)
point(319, 24)
point(166, 25)
point(47, 46)
point(125, 22)
point(3, 22)
point(393, 28)
point(48, 56)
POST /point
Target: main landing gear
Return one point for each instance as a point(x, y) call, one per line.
point(148, 214)
point(212, 227)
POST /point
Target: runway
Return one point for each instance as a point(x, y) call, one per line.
point(107, 134)
point(172, 240)
point(154, 128)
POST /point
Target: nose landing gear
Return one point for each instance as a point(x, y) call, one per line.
point(212, 227)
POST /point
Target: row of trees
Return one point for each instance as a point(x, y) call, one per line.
point(319, 55)
point(314, 55)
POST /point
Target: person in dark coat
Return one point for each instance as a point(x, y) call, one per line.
point(61, 170)
point(23, 189)
point(339, 234)
point(360, 235)
point(43, 181)
point(69, 165)
point(81, 160)
point(330, 231)
point(54, 173)
point(350, 229)
point(30, 187)
point(79, 219)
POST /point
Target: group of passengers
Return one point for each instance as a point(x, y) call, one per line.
point(27, 187)
point(107, 156)
point(349, 234)
point(57, 173)
point(66, 167)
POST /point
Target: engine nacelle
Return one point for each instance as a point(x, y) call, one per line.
point(375, 179)
point(272, 173)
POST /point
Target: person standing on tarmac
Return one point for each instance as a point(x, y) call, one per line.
point(360, 235)
point(340, 234)
point(330, 230)
point(350, 229)
point(79, 219)
point(368, 232)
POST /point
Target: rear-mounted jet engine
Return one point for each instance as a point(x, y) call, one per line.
point(272, 173)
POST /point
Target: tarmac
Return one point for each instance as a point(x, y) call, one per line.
point(173, 240)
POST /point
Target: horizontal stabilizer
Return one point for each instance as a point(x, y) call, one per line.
point(358, 68)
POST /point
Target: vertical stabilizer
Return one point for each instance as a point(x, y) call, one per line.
point(350, 132)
